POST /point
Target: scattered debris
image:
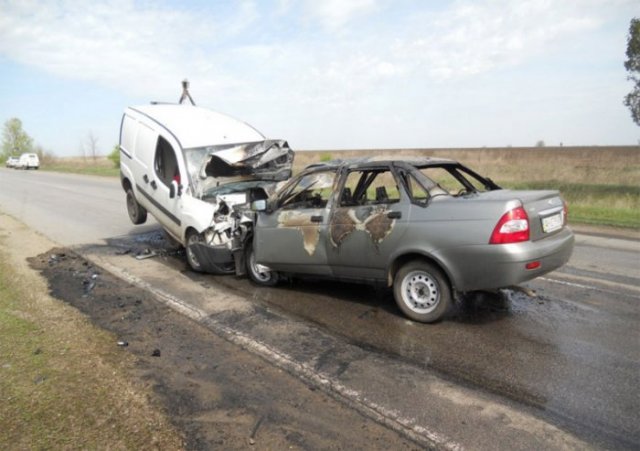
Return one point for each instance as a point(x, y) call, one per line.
point(37, 351)
point(524, 290)
point(147, 253)
point(123, 252)
point(123, 343)
point(89, 284)
point(155, 353)
point(39, 379)
point(255, 430)
point(56, 258)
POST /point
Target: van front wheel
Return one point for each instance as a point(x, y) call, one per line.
point(137, 213)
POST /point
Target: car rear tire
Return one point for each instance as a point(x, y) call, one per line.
point(192, 258)
point(258, 274)
point(422, 292)
point(137, 213)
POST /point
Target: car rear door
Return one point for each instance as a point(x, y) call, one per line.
point(367, 223)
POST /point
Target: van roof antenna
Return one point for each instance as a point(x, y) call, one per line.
point(185, 93)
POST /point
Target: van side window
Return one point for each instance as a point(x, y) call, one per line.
point(165, 162)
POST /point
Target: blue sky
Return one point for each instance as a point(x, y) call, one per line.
point(332, 74)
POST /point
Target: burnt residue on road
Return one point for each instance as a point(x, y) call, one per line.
point(220, 397)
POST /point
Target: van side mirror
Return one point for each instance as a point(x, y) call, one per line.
point(259, 205)
point(174, 190)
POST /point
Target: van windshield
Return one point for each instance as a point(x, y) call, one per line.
point(212, 166)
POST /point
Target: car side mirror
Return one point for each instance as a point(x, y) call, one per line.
point(259, 205)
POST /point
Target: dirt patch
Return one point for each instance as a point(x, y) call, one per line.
point(220, 396)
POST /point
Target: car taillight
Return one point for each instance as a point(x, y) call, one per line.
point(513, 227)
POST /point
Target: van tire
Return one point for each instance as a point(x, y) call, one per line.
point(194, 238)
point(137, 213)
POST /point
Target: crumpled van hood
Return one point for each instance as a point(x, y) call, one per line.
point(265, 160)
point(215, 166)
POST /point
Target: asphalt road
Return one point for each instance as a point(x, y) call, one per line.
point(570, 355)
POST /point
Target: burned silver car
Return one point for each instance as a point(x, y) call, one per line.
point(196, 171)
point(429, 228)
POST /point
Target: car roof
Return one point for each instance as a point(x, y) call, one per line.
point(195, 126)
point(381, 162)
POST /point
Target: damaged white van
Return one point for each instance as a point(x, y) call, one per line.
point(196, 171)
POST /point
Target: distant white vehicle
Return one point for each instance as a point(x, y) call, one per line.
point(28, 161)
point(11, 162)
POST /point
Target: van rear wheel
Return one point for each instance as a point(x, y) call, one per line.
point(137, 213)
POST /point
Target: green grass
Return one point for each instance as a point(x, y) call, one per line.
point(596, 204)
point(86, 170)
point(61, 383)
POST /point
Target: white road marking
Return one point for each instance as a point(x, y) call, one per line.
point(329, 385)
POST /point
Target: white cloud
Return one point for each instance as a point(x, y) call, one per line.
point(118, 44)
point(302, 60)
point(475, 37)
point(334, 14)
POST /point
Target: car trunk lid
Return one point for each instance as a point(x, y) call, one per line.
point(545, 208)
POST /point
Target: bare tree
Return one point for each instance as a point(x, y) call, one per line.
point(92, 145)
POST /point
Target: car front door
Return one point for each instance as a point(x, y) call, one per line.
point(292, 237)
point(367, 223)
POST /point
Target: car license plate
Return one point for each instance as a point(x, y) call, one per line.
point(552, 223)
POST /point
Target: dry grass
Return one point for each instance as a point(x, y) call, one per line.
point(601, 184)
point(591, 165)
point(78, 165)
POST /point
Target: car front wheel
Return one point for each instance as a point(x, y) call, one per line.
point(259, 274)
point(422, 292)
point(137, 213)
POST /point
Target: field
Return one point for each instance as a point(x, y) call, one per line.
point(89, 166)
point(601, 184)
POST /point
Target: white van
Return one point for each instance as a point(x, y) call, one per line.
point(28, 161)
point(196, 171)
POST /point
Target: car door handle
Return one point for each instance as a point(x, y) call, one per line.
point(154, 185)
point(394, 215)
point(317, 218)
point(145, 178)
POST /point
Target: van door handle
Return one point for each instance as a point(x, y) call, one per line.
point(317, 218)
point(154, 185)
point(394, 215)
point(145, 178)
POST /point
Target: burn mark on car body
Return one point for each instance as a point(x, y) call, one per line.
point(302, 222)
point(373, 220)
point(379, 226)
point(342, 225)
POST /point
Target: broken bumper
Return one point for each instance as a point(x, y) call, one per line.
point(215, 259)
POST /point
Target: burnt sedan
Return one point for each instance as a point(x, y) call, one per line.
point(429, 228)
